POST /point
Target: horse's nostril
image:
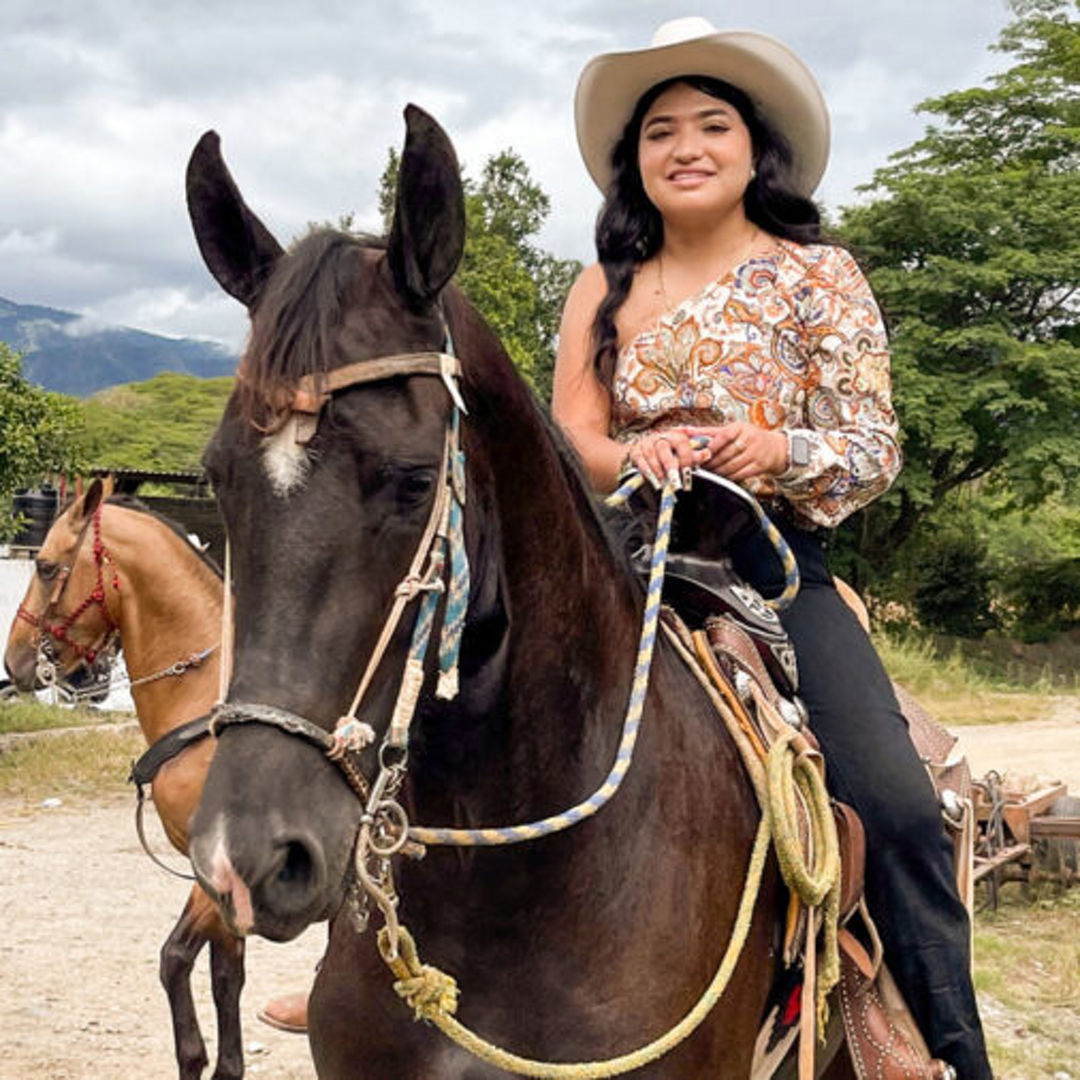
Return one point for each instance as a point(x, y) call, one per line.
point(294, 883)
point(297, 867)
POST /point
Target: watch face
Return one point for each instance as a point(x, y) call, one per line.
point(800, 450)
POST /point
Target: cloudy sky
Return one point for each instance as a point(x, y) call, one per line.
point(101, 102)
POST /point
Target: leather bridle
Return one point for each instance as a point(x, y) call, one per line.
point(304, 406)
point(383, 823)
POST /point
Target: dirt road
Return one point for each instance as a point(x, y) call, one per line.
point(84, 914)
point(1048, 748)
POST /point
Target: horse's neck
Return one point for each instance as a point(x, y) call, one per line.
point(572, 619)
point(170, 608)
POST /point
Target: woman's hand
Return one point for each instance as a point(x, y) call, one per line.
point(660, 455)
point(741, 450)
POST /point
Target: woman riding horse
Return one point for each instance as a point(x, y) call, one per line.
point(716, 313)
point(578, 945)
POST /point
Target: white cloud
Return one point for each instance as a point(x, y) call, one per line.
point(83, 326)
point(101, 102)
point(15, 243)
point(174, 313)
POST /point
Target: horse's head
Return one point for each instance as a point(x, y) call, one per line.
point(69, 614)
point(326, 492)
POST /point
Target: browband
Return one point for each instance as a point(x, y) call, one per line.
point(314, 391)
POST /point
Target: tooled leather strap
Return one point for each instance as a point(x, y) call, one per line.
point(883, 1041)
point(167, 747)
point(236, 713)
point(314, 391)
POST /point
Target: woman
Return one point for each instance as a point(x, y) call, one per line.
point(714, 310)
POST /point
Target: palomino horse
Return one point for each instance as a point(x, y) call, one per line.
point(577, 946)
point(106, 568)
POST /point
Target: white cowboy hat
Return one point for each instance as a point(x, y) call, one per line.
point(767, 71)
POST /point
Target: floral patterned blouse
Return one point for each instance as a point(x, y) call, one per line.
point(794, 340)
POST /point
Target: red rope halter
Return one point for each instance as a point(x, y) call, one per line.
point(50, 624)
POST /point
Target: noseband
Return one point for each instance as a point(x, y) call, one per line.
point(51, 627)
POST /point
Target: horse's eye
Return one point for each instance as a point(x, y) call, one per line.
point(416, 485)
point(46, 570)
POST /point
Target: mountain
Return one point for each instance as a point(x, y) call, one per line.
point(63, 351)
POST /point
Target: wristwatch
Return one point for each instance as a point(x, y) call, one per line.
point(798, 451)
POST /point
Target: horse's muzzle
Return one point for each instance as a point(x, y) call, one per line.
point(275, 890)
point(20, 662)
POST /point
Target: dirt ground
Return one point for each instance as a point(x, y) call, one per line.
point(1047, 748)
point(84, 914)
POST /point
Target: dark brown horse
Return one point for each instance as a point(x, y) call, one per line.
point(164, 599)
point(578, 946)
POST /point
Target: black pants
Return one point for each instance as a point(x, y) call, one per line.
point(872, 765)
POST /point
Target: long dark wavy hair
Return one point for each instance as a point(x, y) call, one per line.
point(630, 229)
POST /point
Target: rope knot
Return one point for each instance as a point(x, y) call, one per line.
point(414, 584)
point(350, 735)
point(431, 993)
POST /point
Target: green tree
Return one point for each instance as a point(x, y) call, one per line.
point(1033, 556)
point(952, 594)
point(517, 287)
point(972, 241)
point(40, 433)
point(163, 423)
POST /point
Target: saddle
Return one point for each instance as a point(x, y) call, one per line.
point(743, 647)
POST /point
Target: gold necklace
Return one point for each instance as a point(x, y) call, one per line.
point(743, 255)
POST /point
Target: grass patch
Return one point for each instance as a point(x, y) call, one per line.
point(1027, 975)
point(952, 690)
point(27, 714)
point(77, 767)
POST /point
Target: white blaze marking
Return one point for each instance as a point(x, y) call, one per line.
point(227, 882)
point(285, 460)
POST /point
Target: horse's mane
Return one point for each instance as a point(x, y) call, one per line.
point(620, 528)
point(500, 381)
point(300, 309)
point(130, 502)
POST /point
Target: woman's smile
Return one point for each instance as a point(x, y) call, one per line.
point(689, 177)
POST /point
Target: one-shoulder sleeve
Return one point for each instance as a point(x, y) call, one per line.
point(850, 426)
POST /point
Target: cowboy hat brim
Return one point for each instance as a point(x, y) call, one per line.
point(781, 86)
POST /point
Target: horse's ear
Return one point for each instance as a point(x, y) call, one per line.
point(428, 233)
point(84, 506)
point(236, 246)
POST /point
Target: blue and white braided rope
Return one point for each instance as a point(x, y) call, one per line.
point(457, 594)
point(787, 559)
point(515, 834)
